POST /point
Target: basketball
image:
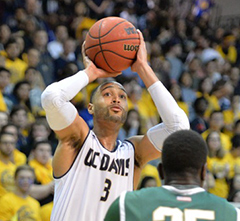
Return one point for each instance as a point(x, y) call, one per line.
point(112, 44)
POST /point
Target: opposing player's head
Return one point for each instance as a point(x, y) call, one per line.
point(109, 102)
point(184, 157)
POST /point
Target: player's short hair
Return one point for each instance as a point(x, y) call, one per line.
point(101, 85)
point(183, 152)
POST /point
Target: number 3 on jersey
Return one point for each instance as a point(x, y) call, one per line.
point(106, 190)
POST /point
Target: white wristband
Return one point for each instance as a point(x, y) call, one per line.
point(60, 112)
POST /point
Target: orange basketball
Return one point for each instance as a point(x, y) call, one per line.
point(112, 44)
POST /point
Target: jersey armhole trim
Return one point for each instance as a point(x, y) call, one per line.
point(130, 143)
point(73, 160)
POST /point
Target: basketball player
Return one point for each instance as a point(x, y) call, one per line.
point(92, 168)
point(182, 197)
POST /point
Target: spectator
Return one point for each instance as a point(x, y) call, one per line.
point(236, 127)
point(216, 123)
point(223, 90)
point(15, 65)
point(19, 117)
point(188, 94)
point(45, 211)
point(45, 66)
point(55, 47)
point(66, 57)
point(173, 51)
point(132, 125)
point(204, 89)
point(148, 181)
point(231, 115)
point(218, 165)
point(3, 118)
point(5, 34)
point(35, 80)
point(233, 157)
point(227, 49)
point(19, 205)
point(41, 162)
point(17, 157)
point(5, 75)
point(199, 123)
point(39, 131)
point(176, 92)
point(7, 167)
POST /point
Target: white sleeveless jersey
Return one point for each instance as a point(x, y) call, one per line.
point(96, 178)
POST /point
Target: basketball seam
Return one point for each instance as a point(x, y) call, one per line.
point(100, 45)
point(132, 59)
point(110, 42)
point(114, 53)
point(107, 32)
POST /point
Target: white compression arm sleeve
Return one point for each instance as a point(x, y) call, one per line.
point(60, 112)
point(173, 117)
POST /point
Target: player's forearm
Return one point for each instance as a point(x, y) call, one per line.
point(147, 75)
point(172, 115)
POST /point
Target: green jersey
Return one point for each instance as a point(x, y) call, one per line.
point(168, 203)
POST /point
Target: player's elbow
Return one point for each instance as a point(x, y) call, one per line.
point(182, 122)
point(51, 97)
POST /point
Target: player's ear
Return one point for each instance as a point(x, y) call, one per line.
point(160, 171)
point(204, 172)
point(90, 108)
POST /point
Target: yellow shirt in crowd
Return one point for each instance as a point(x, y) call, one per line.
point(43, 173)
point(46, 211)
point(234, 163)
point(217, 166)
point(3, 106)
point(16, 208)
point(7, 182)
point(150, 170)
point(19, 157)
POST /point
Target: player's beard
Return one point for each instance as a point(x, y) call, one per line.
point(105, 114)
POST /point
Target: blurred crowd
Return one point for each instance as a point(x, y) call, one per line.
point(40, 43)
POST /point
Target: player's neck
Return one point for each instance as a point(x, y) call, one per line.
point(187, 180)
point(107, 136)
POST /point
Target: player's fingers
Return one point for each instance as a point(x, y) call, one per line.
point(140, 35)
point(86, 60)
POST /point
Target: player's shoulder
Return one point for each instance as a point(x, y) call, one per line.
point(219, 202)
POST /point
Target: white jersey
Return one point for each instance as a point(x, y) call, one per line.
point(96, 178)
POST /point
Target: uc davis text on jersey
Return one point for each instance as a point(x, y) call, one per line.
point(118, 166)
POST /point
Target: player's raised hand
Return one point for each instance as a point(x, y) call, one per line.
point(92, 71)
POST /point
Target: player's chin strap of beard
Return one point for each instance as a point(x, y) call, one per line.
point(173, 117)
point(60, 112)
